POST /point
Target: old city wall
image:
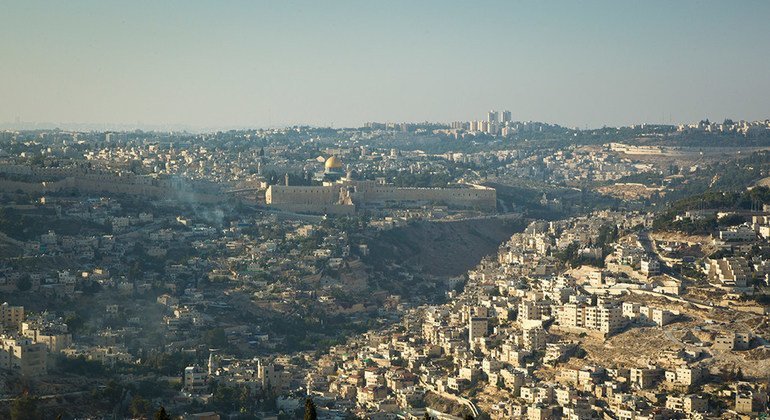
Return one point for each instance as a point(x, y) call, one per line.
point(304, 195)
point(106, 183)
point(472, 198)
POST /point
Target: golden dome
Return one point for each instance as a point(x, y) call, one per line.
point(333, 163)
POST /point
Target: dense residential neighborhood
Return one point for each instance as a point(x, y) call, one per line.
point(205, 274)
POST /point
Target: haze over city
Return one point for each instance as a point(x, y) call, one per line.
point(204, 65)
point(384, 210)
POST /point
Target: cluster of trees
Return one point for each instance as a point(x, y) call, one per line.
point(14, 224)
point(713, 139)
point(723, 200)
point(275, 178)
point(215, 338)
point(725, 175)
point(167, 363)
point(80, 366)
point(572, 256)
point(26, 407)
point(604, 239)
point(729, 175)
point(141, 408)
point(688, 226)
point(349, 224)
point(26, 226)
point(229, 399)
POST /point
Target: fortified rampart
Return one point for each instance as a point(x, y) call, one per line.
point(371, 193)
point(306, 195)
point(78, 179)
point(351, 194)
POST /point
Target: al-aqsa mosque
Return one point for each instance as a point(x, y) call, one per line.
point(341, 194)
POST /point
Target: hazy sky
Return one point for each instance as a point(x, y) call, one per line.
point(322, 62)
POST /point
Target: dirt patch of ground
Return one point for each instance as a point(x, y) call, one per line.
point(443, 249)
point(638, 345)
point(680, 237)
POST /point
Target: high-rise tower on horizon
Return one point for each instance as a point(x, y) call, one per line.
point(505, 116)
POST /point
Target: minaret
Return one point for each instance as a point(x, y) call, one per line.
point(286, 179)
point(212, 363)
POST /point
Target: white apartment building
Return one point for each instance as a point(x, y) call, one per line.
point(23, 356)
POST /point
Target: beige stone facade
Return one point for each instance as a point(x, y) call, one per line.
point(346, 195)
point(11, 317)
point(23, 356)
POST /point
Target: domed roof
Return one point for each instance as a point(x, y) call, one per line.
point(333, 163)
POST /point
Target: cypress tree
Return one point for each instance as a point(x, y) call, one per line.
point(310, 413)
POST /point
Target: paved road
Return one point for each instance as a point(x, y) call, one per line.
point(511, 216)
point(464, 401)
point(6, 238)
point(51, 396)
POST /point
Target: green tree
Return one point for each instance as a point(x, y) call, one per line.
point(215, 338)
point(135, 272)
point(24, 407)
point(111, 392)
point(226, 398)
point(310, 412)
point(74, 322)
point(24, 283)
point(139, 407)
point(161, 414)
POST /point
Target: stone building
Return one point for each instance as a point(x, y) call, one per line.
point(22, 355)
point(11, 317)
point(342, 195)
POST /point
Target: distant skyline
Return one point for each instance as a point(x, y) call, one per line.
point(217, 65)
